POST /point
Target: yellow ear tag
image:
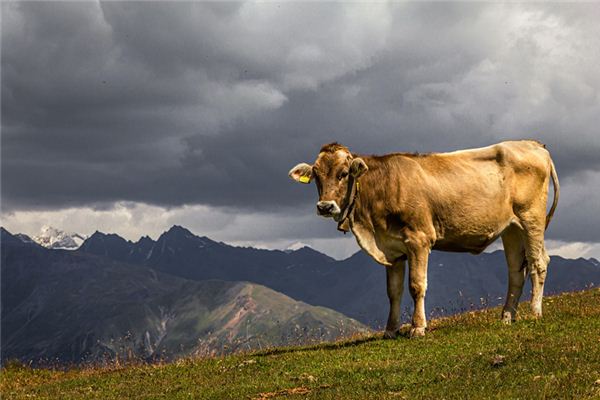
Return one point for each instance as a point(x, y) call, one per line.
point(304, 179)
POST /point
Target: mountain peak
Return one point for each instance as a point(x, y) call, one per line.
point(179, 229)
point(101, 237)
point(19, 239)
point(145, 239)
point(295, 246)
point(306, 253)
point(100, 243)
point(7, 236)
point(53, 238)
point(177, 232)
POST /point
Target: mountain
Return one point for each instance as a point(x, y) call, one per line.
point(181, 253)
point(354, 286)
point(53, 238)
point(70, 306)
point(111, 245)
point(24, 238)
point(295, 246)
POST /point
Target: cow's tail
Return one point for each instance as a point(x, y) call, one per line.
point(556, 193)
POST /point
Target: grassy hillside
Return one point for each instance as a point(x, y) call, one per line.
point(467, 356)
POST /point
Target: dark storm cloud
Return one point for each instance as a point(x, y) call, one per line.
point(210, 103)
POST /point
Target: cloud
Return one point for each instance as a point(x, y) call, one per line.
point(573, 249)
point(134, 220)
point(101, 104)
point(186, 105)
point(576, 217)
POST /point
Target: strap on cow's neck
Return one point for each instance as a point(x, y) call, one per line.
point(348, 211)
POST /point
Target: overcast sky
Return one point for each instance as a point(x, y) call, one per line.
point(131, 117)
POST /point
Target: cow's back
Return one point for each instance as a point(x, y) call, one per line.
point(473, 194)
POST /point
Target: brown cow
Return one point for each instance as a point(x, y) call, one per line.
point(401, 206)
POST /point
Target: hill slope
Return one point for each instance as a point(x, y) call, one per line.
point(71, 307)
point(466, 356)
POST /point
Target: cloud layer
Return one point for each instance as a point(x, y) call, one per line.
point(209, 104)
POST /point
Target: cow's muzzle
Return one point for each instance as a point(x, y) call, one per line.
point(328, 208)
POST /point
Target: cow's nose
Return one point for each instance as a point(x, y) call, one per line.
point(325, 207)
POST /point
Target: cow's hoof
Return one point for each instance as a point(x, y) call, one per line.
point(416, 332)
point(537, 312)
point(391, 334)
point(507, 318)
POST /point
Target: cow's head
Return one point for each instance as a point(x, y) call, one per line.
point(334, 166)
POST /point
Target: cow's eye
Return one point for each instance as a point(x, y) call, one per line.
point(342, 175)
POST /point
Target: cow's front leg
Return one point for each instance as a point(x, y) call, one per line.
point(395, 286)
point(417, 264)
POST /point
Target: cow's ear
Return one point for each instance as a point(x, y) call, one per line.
point(358, 167)
point(301, 173)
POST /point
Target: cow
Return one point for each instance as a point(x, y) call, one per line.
point(400, 206)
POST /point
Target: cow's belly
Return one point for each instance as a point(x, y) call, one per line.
point(469, 236)
point(473, 221)
point(474, 238)
point(473, 245)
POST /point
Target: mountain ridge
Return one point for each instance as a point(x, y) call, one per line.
point(73, 306)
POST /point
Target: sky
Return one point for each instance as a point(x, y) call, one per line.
point(129, 117)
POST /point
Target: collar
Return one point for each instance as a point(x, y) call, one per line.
point(348, 211)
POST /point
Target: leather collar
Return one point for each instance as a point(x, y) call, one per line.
point(348, 211)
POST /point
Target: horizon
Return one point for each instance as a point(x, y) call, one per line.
point(295, 246)
point(291, 247)
point(110, 123)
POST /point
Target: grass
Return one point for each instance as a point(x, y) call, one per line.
point(469, 356)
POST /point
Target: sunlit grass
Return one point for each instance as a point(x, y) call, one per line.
point(465, 356)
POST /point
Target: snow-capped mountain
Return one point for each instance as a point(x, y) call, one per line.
point(53, 238)
point(295, 246)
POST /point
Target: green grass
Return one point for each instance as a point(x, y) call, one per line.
point(463, 357)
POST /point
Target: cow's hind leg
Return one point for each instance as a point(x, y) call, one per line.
point(395, 286)
point(514, 251)
point(537, 259)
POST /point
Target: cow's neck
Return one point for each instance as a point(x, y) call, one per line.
point(361, 222)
